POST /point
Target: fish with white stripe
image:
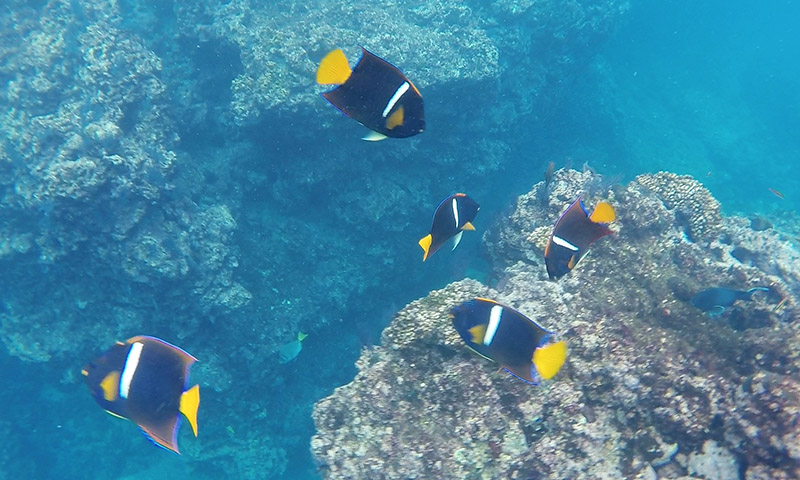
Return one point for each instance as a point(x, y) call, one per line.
point(574, 231)
point(501, 334)
point(453, 215)
point(145, 380)
point(375, 93)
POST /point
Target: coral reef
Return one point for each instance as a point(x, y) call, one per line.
point(652, 386)
point(157, 161)
point(88, 159)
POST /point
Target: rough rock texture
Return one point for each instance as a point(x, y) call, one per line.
point(87, 165)
point(157, 161)
point(652, 386)
point(437, 43)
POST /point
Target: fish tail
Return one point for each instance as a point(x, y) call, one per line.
point(333, 69)
point(190, 401)
point(549, 359)
point(749, 293)
point(425, 243)
point(603, 213)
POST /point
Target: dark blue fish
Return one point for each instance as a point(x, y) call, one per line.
point(146, 380)
point(511, 339)
point(716, 299)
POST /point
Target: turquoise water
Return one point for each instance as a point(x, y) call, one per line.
point(286, 203)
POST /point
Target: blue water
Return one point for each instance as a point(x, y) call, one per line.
point(326, 226)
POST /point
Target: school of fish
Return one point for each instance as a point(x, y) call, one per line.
point(146, 380)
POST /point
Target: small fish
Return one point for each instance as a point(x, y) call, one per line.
point(776, 193)
point(501, 334)
point(548, 174)
point(716, 299)
point(288, 351)
point(780, 304)
point(145, 380)
point(375, 93)
point(454, 215)
point(574, 231)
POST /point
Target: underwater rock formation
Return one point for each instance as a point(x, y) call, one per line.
point(652, 386)
point(436, 43)
point(88, 187)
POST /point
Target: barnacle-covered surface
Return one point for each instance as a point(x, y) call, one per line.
point(653, 388)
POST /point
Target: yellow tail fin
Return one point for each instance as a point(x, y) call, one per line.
point(190, 401)
point(549, 359)
point(333, 69)
point(468, 226)
point(301, 336)
point(603, 213)
point(425, 243)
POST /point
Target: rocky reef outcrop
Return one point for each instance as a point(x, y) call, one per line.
point(157, 160)
point(652, 388)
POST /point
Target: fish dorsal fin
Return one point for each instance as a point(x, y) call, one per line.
point(478, 332)
point(110, 386)
point(190, 401)
point(549, 359)
point(603, 213)
point(395, 119)
point(333, 69)
point(457, 239)
point(425, 243)
point(468, 226)
point(373, 136)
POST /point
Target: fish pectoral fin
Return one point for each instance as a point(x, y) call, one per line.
point(549, 359)
point(333, 69)
point(425, 243)
point(190, 401)
point(373, 136)
point(468, 226)
point(716, 311)
point(457, 239)
point(395, 119)
point(478, 332)
point(110, 386)
point(573, 260)
point(603, 213)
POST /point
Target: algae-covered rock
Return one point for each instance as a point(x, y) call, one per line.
point(647, 375)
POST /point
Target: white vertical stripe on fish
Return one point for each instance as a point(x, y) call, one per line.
point(392, 101)
point(494, 322)
point(563, 243)
point(129, 369)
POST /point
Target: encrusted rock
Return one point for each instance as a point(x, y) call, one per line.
point(648, 375)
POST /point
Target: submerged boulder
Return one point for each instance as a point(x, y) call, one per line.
point(650, 382)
